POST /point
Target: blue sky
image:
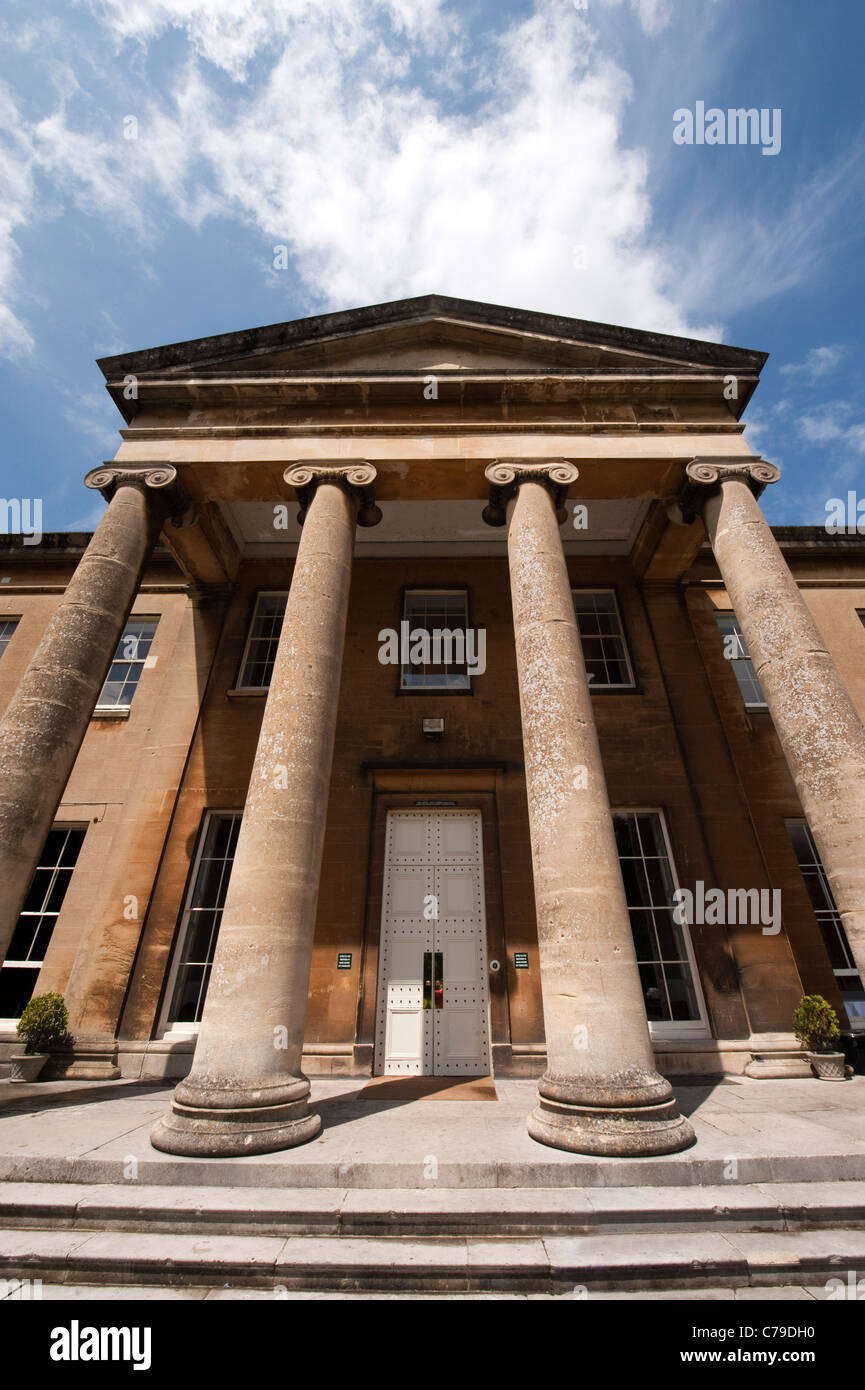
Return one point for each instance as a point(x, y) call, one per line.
point(519, 153)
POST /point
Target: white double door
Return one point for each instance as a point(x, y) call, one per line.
point(433, 998)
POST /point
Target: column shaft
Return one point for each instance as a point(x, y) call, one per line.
point(601, 1092)
point(246, 1092)
point(820, 732)
point(45, 722)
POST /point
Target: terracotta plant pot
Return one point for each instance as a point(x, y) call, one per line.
point(829, 1066)
point(26, 1066)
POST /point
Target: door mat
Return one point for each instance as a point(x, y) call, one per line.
point(429, 1088)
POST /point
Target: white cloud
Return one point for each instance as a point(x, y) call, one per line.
point(230, 33)
point(93, 414)
point(830, 424)
point(654, 15)
point(16, 180)
point(338, 128)
point(767, 245)
point(376, 189)
point(818, 362)
point(755, 428)
point(819, 429)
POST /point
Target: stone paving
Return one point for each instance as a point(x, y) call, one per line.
point(769, 1202)
point(747, 1131)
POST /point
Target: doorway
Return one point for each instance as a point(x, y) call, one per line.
point(433, 996)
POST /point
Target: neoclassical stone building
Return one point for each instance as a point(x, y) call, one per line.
point(433, 698)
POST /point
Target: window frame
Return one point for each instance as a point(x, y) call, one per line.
point(9, 1024)
point(434, 691)
point(632, 687)
point(169, 1028)
point(123, 711)
point(854, 1025)
point(15, 619)
point(728, 615)
point(240, 688)
point(671, 1029)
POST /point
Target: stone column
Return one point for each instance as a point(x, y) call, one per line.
point(45, 723)
point(819, 730)
point(246, 1092)
point(601, 1093)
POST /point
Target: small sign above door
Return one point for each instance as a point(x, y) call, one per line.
point(521, 960)
point(343, 960)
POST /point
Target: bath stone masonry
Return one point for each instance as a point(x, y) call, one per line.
point(820, 732)
point(160, 779)
point(246, 1092)
point(44, 725)
point(601, 1093)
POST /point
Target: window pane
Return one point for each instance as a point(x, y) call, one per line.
point(669, 935)
point(16, 989)
point(264, 634)
point(23, 937)
point(642, 931)
point(828, 918)
point(190, 996)
point(201, 942)
point(37, 893)
point(7, 627)
point(627, 840)
point(441, 618)
point(736, 651)
point(632, 876)
point(203, 914)
point(34, 927)
point(680, 992)
point(45, 926)
point(54, 901)
point(654, 993)
point(125, 670)
point(602, 639)
point(853, 995)
point(660, 943)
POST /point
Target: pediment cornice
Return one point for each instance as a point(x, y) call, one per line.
point(459, 339)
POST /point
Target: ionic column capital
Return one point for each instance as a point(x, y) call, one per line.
point(356, 479)
point(159, 482)
point(703, 478)
point(505, 477)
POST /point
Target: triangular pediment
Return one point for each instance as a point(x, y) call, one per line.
point(440, 344)
point(433, 333)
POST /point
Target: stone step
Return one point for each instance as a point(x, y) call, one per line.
point(21, 1292)
point(547, 1169)
point(487, 1212)
point(579, 1264)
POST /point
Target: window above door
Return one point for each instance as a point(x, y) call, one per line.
point(437, 623)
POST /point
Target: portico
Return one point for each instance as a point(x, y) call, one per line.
point(533, 415)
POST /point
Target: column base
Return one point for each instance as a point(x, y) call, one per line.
point(195, 1132)
point(625, 1132)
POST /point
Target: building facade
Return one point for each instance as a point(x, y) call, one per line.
point(432, 699)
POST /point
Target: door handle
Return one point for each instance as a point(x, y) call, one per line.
point(427, 979)
point(439, 980)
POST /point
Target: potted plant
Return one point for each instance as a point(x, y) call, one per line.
point(42, 1023)
point(815, 1024)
